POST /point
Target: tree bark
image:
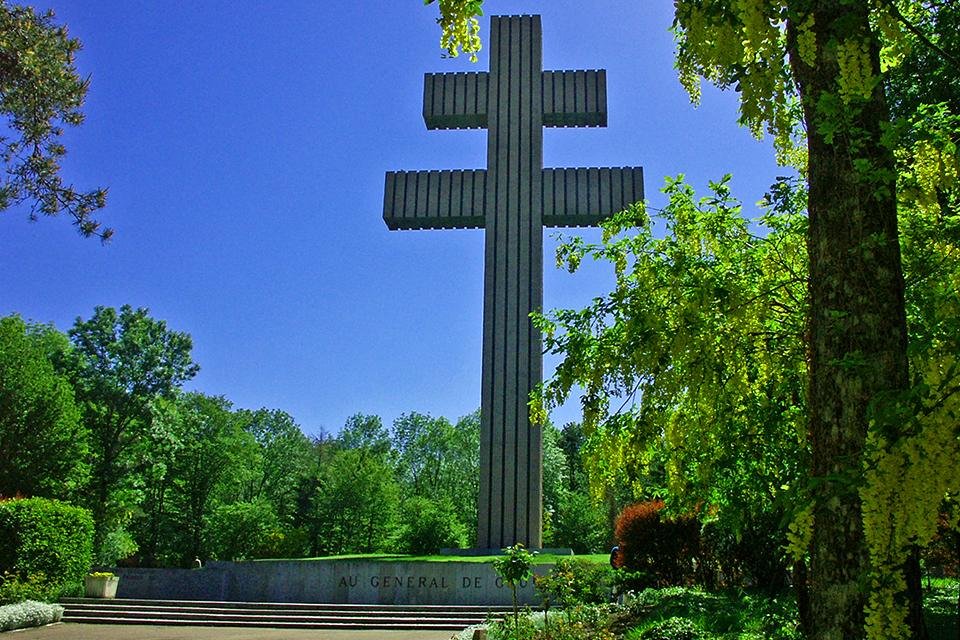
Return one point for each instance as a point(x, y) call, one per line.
point(914, 579)
point(857, 324)
point(801, 585)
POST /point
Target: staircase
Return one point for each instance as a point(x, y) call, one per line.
point(276, 614)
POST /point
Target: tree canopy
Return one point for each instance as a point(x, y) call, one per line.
point(41, 92)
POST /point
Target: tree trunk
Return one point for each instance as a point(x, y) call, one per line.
point(857, 324)
point(801, 585)
point(914, 579)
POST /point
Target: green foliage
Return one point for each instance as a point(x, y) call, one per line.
point(514, 567)
point(580, 622)
point(941, 82)
point(43, 444)
point(365, 432)
point(428, 526)
point(354, 504)
point(700, 343)
point(45, 544)
point(672, 629)
point(665, 549)
point(941, 609)
point(118, 544)
point(460, 27)
point(555, 468)
point(242, 530)
point(440, 461)
point(283, 460)
point(751, 558)
point(28, 614)
point(724, 614)
point(40, 93)
point(123, 363)
point(573, 582)
point(579, 524)
point(13, 588)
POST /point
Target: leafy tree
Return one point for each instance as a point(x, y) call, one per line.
point(440, 461)
point(154, 530)
point(40, 93)
point(579, 524)
point(927, 73)
point(121, 363)
point(572, 442)
point(241, 530)
point(215, 450)
point(700, 344)
point(283, 459)
point(363, 432)
point(43, 444)
point(354, 504)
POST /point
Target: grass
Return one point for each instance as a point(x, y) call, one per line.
point(539, 559)
point(940, 608)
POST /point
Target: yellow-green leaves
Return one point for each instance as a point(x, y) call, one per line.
point(459, 26)
point(695, 357)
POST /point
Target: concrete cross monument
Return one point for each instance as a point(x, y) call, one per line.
point(511, 200)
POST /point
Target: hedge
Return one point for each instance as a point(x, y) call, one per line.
point(45, 548)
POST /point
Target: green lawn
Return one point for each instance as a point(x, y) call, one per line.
point(940, 608)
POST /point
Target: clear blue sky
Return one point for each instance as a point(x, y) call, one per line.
point(244, 146)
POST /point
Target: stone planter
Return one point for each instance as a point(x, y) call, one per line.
point(101, 586)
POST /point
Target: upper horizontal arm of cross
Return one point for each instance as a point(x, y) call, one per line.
point(568, 99)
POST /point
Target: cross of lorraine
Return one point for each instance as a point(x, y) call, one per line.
point(512, 200)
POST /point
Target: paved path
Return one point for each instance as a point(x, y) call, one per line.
point(74, 631)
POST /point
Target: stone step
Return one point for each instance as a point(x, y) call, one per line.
point(278, 615)
point(297, 606)
point(278, 611)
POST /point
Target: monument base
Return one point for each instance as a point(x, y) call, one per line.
point(346, 581)
point(473, 553)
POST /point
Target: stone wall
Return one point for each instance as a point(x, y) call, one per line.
point(328, 581)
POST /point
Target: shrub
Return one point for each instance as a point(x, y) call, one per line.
point(731, 613)
point(673, 629)
point(34, 587)
point(572, 582)
point(45, 545)
point(429, 526)
point(665, 549)
point(752, 557)
point(28, 614)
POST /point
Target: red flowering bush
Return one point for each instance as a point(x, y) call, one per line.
point(662, 550)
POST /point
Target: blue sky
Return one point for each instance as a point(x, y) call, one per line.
point(244, 147)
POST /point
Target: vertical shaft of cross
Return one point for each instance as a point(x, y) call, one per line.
point(510, 504)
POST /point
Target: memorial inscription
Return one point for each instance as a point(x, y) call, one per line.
point(512, 200)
